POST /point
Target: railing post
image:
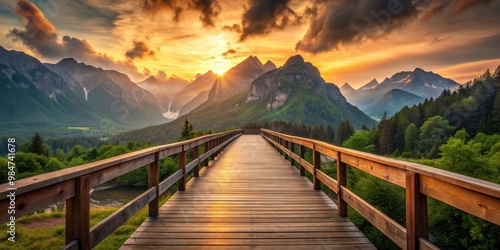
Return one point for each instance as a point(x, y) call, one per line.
point(292, 149)
point(182, 165)
point(154, 181)
point(341, 182)
point(416, 212)
point(317, 166)
point(287, 157)
point(207, 148)
point(302, 151)
point(78, 214)
point(212, 145)
point(196, 154)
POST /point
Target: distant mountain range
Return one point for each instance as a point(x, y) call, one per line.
point(52, 97)
point(415, 86)
point(294, 92)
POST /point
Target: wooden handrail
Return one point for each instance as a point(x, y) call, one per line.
point(473, 196)
point(73, 185)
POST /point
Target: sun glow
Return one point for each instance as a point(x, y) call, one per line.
point(219, 72)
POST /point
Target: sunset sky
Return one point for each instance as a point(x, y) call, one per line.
point(348, 40)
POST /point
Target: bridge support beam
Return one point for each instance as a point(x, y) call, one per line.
point(416, 212)
point(78, 214)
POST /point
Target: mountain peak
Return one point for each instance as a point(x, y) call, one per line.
point(269, 65)
point(66, 61)
point(294, 60)
point(371, 85)
point(418, 70)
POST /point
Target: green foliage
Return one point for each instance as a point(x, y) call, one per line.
point(187, 131)
point(433, 133)
point(359, 141)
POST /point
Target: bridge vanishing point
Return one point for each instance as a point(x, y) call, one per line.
point(248, 196)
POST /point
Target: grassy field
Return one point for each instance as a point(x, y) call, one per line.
point(46, 230)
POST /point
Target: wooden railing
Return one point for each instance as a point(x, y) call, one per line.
point(476, 197)
point(73, 185)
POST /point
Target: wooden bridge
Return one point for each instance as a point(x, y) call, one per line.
point(251, 197)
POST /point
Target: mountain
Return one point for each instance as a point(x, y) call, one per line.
point(35, 98)
point(164, 89)
point(295, 92)
point(112, 93)
point(347, 89)
point(371, 85)
point(418, 82)
point(200, 86)
point(238, 78)
point(474, 107)
point(392, 102)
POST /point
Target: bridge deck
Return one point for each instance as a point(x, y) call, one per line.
point(248, 198)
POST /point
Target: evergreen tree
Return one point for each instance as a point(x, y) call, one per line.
point(187, 131)
point(37, 145)
point(344, 131)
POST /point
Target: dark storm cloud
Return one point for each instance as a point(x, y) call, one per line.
point(39, 34)
point(139, 51)
point(42, 38)
point(264, 16)
point(334, 23)
point(348, 21)
point(209, 9)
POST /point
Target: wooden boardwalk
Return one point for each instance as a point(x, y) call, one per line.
point(248, 198)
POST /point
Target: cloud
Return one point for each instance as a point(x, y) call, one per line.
point(228, 53)
point(209, 9)
point(42, 38)
point(348, 21)
point(335, 23)
point(263, 16)
point(139, 51)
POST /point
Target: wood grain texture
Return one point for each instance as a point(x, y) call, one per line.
point(250, 197)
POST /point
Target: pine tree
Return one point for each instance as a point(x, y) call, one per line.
point(187, 131)
point(344, 131)
point(37, 145)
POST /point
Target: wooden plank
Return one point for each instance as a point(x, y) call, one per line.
point(250, 196)
point(382, 222)
point(426, 245)
point(107, 226)
point(385, 172)
point(478, 204)
point(104, 175)
point(73, 245)
point(34, 200)
point(479, 186)
point(326, 149)
point(327, 181)
point(416, 212)
point(171, 180)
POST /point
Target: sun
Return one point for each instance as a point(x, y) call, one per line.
point(219, 72)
